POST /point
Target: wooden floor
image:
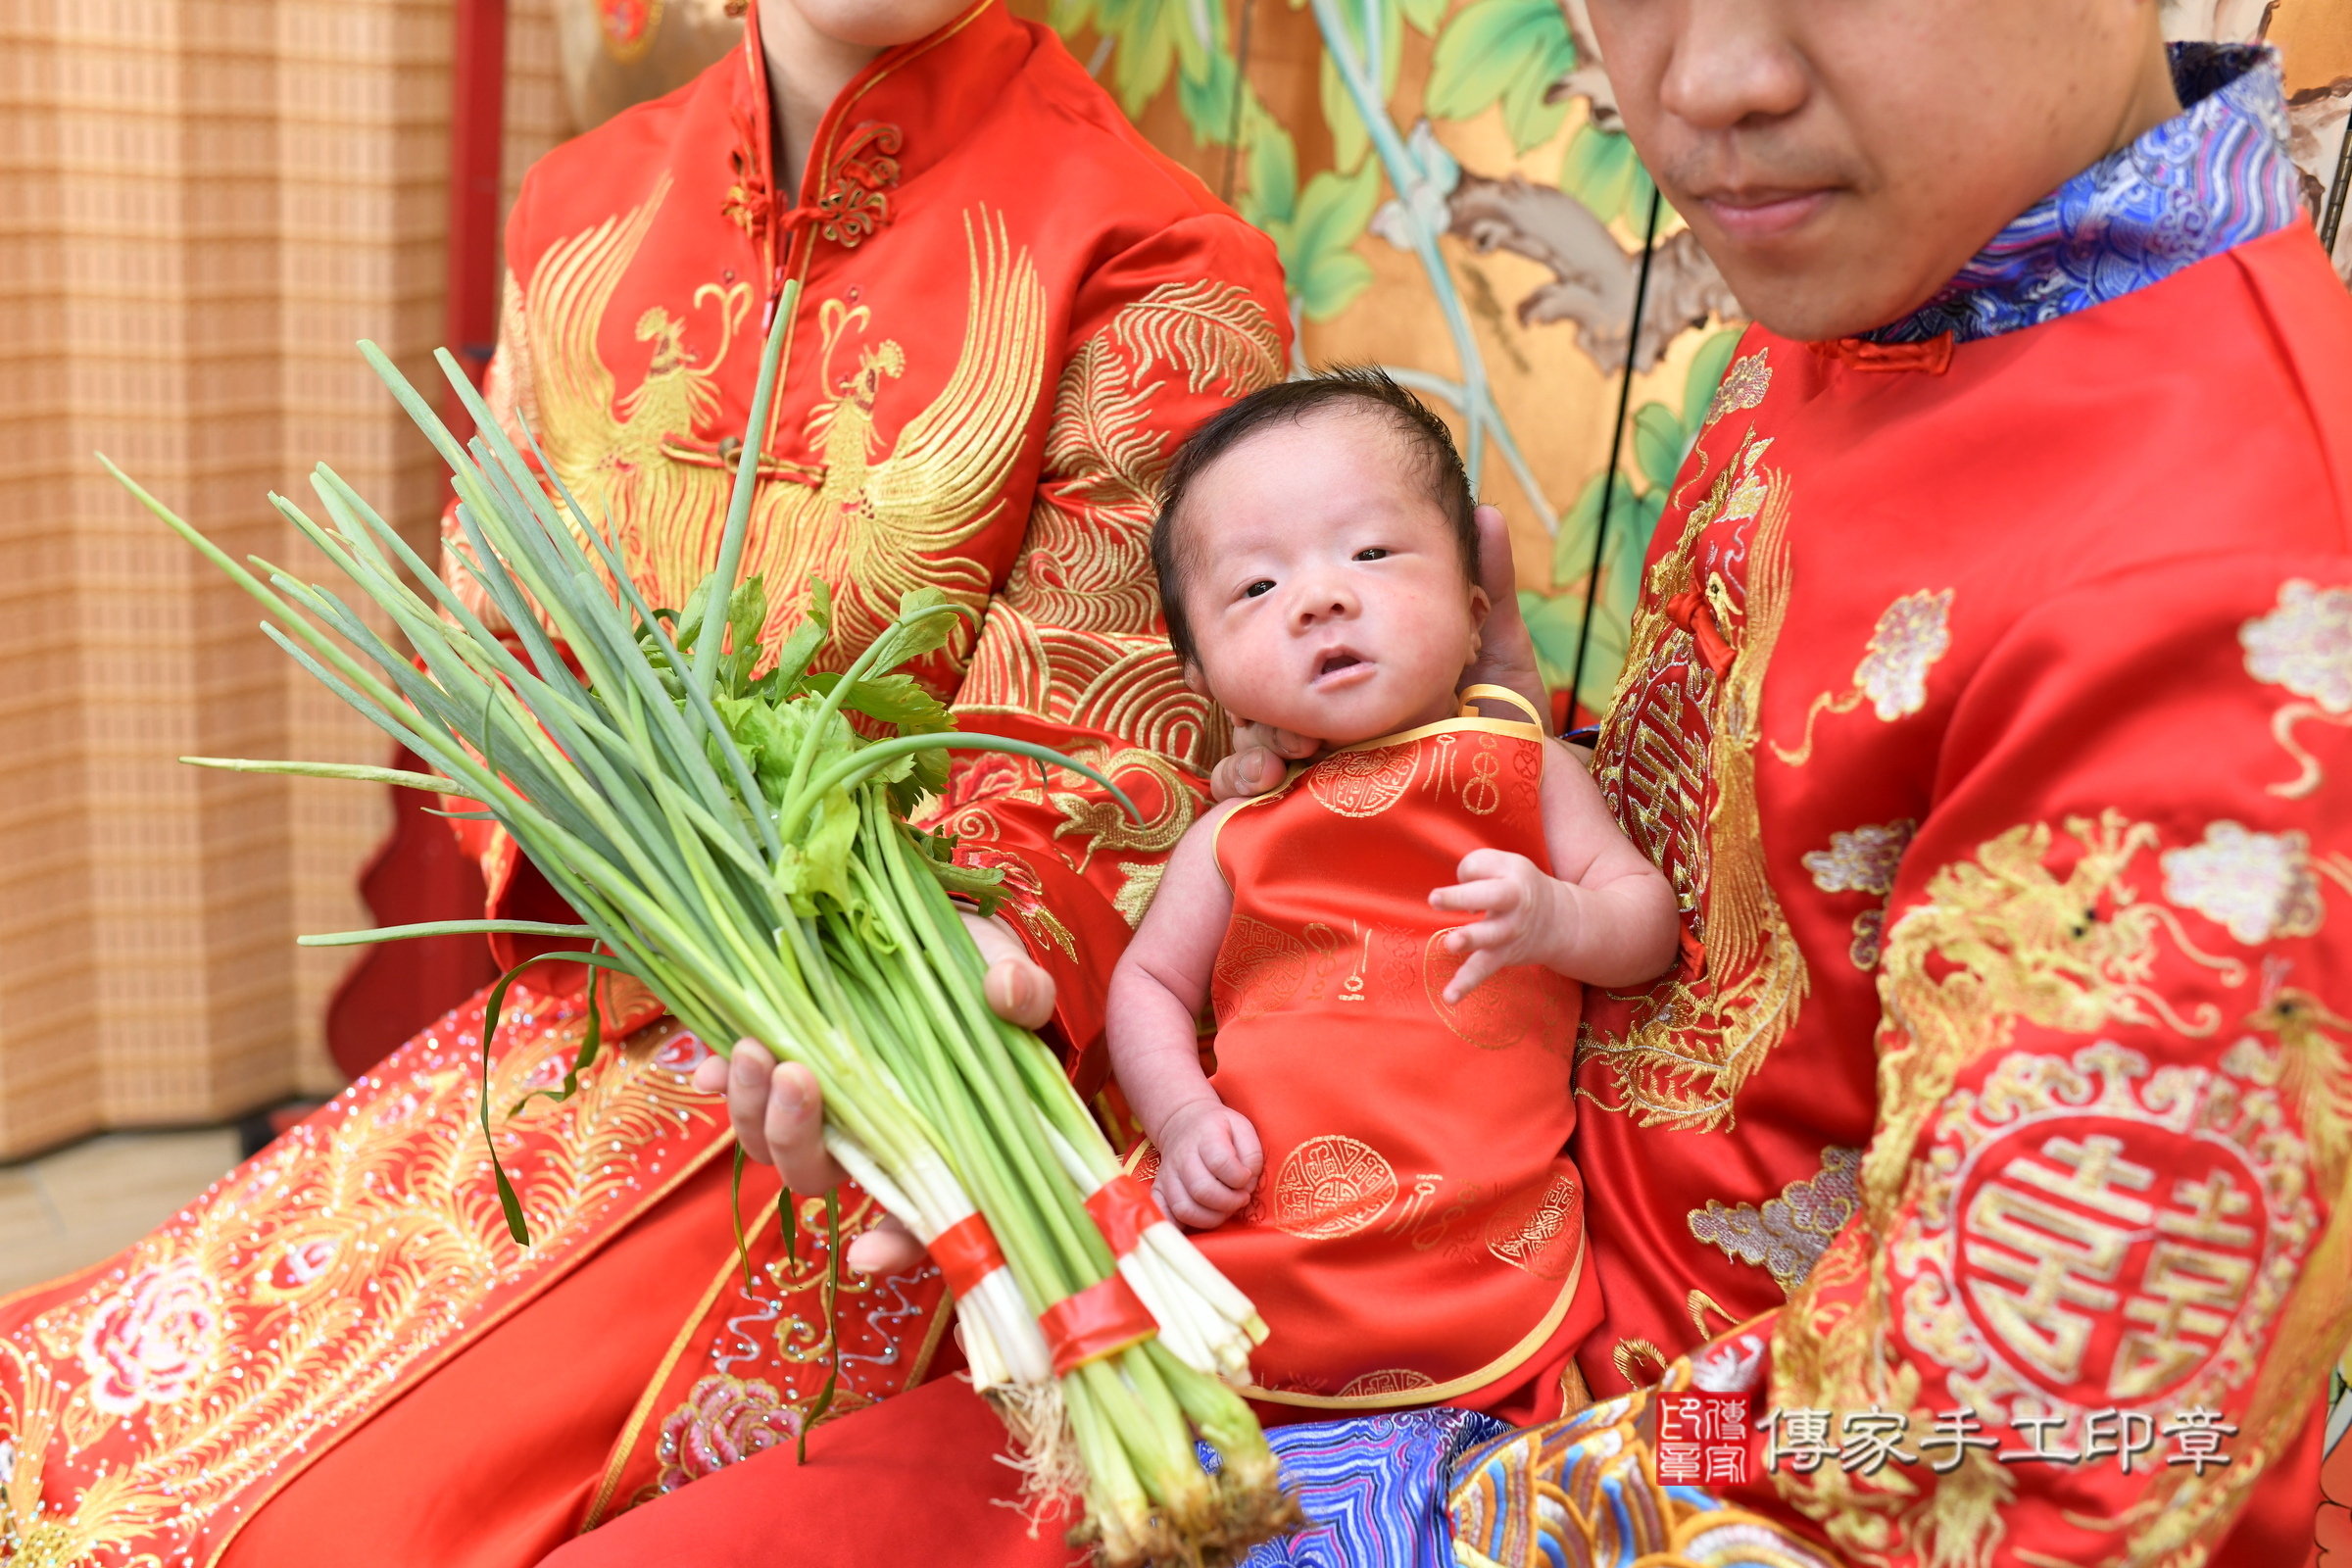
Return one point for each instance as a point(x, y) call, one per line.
point(85, 1202)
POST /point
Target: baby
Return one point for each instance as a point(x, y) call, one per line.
point(1391, 941)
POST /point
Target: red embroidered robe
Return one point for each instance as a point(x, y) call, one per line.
point(1012, 308)
point(1990, 713)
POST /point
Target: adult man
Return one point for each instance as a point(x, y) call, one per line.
point(1985, 703)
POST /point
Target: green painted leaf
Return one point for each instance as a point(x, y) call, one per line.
point(1601, 170)
point(1350, 141)
point(1272, 196)
point(1507, 50)
point(1321, 263)
point(1423, 14)
point(1206, 98)
point(1657, 442)
point(1707, 367)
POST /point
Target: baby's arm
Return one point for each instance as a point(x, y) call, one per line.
point(1605, 916)
point(1209, 1157)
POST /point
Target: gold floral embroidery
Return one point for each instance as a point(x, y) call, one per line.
point(1791, 1232)
point(1675, 764)
point(2305, 645)
point(1863, 862)
point(185, 1382)
point(2257, 886)
point(1743, 387)
point(1911, 635)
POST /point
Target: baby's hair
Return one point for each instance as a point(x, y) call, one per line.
point(1347, 386)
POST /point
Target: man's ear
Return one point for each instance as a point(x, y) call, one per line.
point(1481, 607)
point(1194, 681)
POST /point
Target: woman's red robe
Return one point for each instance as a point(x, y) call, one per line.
point(1012, 308)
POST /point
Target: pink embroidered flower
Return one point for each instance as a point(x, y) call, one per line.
point(723, 1420)
point(682, 1053)
point(149, 1341)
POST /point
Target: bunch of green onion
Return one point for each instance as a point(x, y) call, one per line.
point(731, 839)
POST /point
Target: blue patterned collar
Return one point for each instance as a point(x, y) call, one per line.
point(2211, 177)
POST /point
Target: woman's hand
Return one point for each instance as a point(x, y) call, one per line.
point(779, 1113)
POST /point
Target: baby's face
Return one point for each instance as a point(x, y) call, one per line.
point(1325, 588)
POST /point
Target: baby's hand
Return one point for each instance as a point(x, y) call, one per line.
point(1528, 918)
point(1209, 1161)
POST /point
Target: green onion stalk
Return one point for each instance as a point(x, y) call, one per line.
point(732, 839)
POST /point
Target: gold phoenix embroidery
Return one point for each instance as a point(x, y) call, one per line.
point(2305, 645)
point(873, 526)
point(1677, 763)
point(1911, 635)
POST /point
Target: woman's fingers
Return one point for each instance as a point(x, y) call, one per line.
point(745, 1077)
point(1017, 989)
point(794, 1128)
point(1019, 992)
point(890, 1247)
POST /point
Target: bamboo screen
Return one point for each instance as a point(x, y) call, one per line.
point(205, 203)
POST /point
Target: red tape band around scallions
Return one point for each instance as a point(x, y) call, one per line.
point(1122, 1207)
point(1098, 1321)
point(967, 1252)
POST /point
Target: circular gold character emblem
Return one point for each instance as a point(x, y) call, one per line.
point(1330, 1187)
point(1362, 783)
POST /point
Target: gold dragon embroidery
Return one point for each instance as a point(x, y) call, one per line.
point(1681, 781)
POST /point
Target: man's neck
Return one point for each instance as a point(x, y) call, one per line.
point(2153, 100)
point(805, 72)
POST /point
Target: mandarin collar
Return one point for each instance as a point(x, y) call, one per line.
point(2212, 177)
point(896, 118)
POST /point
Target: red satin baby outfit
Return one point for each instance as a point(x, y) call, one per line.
point(1417, 1236)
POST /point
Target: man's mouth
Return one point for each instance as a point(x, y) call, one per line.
point(1756, 214)
point(1338, 662)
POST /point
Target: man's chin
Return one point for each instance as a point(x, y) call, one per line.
point(1832, 298)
